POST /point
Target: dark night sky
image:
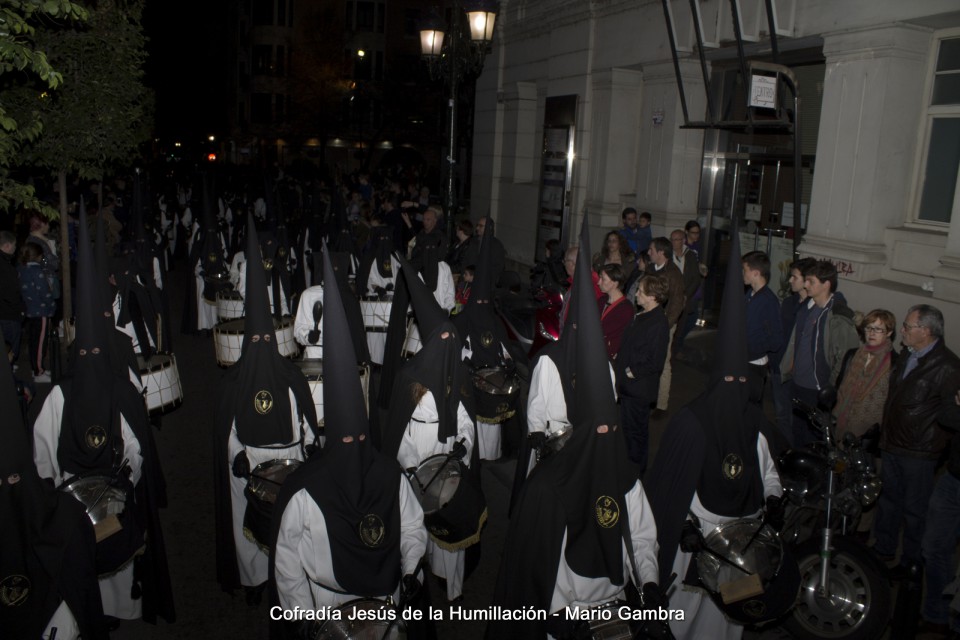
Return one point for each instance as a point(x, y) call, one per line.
point(186, 65)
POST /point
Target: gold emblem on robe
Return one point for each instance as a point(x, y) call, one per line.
point(371, 530)
point(608, 511)
point(95, 436)
point(263, 402)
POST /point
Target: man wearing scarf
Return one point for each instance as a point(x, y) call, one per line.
point(264, 412)
point(419, 426)
point(714, 462)
point(347, 522)
point(578, 511)
point(48, 577)
point(485, 345)
point(95, 422)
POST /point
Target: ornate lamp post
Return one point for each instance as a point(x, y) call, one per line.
point(451, 56)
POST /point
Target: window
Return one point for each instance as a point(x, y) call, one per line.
point(262, 12)
point(381, 16)
point(262, 62)
point(941, 162)
point(365, 12)
point(290, 15)
point(280, 61)
point(411, 22)
point(282, 12)
point(260, 108)
point(279, 109)
point(349, 12)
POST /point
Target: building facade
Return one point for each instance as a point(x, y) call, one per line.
point(879, 133)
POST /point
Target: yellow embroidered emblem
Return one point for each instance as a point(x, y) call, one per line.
point(486, 339)
point(371, 530)
point(268, 264)
point(263, 402)
point(608, 511)
point(212, 257)
point(732, 466)
point(14, 590)
point(95, 436)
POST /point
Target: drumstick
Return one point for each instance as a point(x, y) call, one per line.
point(106, 486)
point(437, 472)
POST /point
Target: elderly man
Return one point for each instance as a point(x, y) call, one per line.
point(430, 235)
point(922, 389)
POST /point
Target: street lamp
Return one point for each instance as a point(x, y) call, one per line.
point(451, 56)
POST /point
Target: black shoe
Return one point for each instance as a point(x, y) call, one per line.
point(111, 623)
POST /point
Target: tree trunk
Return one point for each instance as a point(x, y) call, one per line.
point(65, 289)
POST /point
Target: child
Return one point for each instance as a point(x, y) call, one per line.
point(40, 303)
point(463, 289)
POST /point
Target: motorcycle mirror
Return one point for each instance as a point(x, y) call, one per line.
point(827, 398)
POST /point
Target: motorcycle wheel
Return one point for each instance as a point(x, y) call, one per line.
point(859, 604)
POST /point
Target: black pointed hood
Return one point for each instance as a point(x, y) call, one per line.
point(731, 351)
point(731, 479)
point(354, 485)
point(430, 315)
point(257, 320)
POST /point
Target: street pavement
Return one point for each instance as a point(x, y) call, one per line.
point(185, 445)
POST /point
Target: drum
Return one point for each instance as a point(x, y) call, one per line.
point(313, 371)
point(376, 313)
point(229, 305)
point(606, 624)
point(454, 507)
point(214, 284)
point(765, 563)
point(364, 619)
point(412, 344)
point(555, 441)
point(262, 490)
point(497, 393)
point(161, 382)
point(119, 538)
point(228, 340)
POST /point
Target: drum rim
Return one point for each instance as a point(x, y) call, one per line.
point(773, 538)
point(398, 624)
point(172, 362)
point(283, 323)
point(286, 462)
point(376, 298)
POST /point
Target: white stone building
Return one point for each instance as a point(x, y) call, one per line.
point(880, 131)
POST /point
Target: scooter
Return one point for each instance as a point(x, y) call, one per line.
point(533, 320)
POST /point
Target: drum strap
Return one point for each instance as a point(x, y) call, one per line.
point(276, 447)
point(625, 532)
point(424, 421)
point(325, 587)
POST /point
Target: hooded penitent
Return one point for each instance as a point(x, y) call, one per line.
point(95, 397)
point(255, 398)
point(478, 321)
point(141, 300)
point(437, 366)
point(123, 359)
point(275, 249)
point(355, 486)
point(379, 256)
point(47, 544)
point(710, 446)
point(579, 491)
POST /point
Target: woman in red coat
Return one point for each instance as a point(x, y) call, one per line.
point(616, 311)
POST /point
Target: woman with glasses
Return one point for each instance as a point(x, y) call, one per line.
point(865, 375)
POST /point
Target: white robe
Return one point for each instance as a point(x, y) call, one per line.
point(114, 590)
point(702, 618)
point(206, 311)
point(251, 559)
point(375, 280)
point(419, 443)
point(577, 591)
point(303, 554)
point(303, 324)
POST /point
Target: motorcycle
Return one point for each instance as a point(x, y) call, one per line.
point(533, 320)
point(843, 593)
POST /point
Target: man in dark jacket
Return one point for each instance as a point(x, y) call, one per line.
point(11, 304)
point(922, 388)
point(942, 530)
